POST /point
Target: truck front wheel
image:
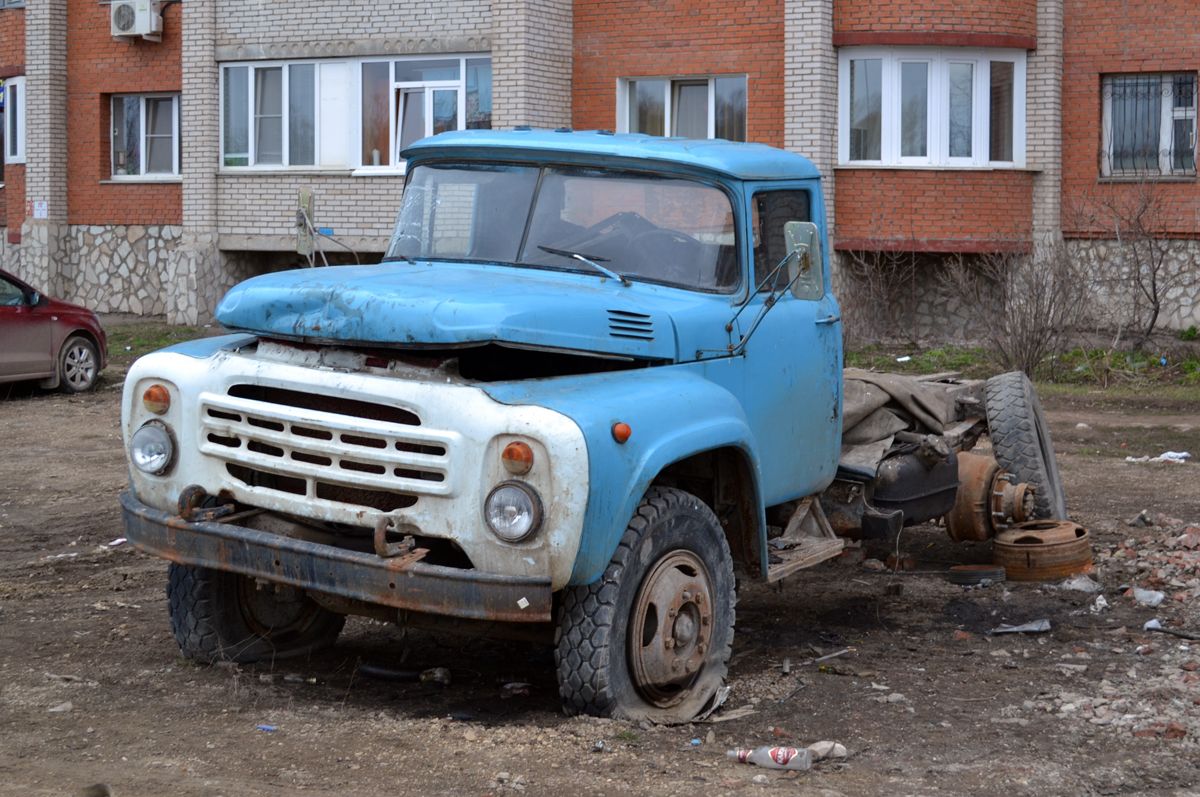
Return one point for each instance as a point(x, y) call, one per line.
point(651, 638)
point(225, 616)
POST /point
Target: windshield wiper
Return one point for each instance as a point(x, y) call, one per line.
point(592, 260)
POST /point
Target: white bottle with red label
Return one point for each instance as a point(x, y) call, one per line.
point(774, 757)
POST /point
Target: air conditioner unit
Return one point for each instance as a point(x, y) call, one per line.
point(136, 18)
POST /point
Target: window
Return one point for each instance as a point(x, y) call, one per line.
point(706, 107)
point(682, 232)
point(14, 120)
point(12, 3)
point(345, 113)
point(1149, 125)
point(905, 106)
point(145, 135)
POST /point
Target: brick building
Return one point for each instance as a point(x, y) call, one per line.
point(946, 128)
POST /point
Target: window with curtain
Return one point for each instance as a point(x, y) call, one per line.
point(688, 107)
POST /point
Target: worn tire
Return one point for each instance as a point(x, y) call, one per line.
point(596, 670)
point(78, 365)
point(1021, 440)
point(219, 616)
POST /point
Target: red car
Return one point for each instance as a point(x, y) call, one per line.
point(61, 344)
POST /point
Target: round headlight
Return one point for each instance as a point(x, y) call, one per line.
point(151, 449)
point(513, 511)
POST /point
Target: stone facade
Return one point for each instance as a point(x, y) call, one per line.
point(119, 268)
point(1115, 298)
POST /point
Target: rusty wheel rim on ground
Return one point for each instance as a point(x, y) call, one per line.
point(1043, 550)
point(671, 628)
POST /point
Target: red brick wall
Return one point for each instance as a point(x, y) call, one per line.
point(984, 23)
point(933, 211)
point(1163, 36)
point(621, 38)
point(12, 42)
point(97, 66)
point(12, 62)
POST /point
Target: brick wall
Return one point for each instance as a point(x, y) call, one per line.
point(12, 62)
point(98, 66)
point(12, 42)
point(934, 211)
point(621, 38)
point(983, 23)
point(265, 204)
point(1151, 37)
point(264, 28)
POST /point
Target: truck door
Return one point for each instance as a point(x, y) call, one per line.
point(793, 360)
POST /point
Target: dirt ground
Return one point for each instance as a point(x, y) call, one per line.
point(93, 689)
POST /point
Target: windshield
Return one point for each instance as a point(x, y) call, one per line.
point(644, 227)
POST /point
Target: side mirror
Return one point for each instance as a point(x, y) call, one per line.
point(805, 272)
point(34, 298)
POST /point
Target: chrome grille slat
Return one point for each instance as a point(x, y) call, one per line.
point(271, 428)
point(430, 462)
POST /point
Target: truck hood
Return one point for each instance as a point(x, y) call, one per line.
point(434, 304)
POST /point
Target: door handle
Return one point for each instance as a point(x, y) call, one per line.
point(829, 319)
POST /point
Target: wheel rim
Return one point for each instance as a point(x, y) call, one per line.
point(79, 366)
point(671, 628)
point(272, 615)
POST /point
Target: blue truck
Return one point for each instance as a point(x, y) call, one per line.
point(592, 376)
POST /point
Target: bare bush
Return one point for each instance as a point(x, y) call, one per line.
point(873, 291)
point(1031, 302)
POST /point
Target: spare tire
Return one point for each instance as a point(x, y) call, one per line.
point(1021, 441)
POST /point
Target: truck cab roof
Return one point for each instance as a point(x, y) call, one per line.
point(729, 158)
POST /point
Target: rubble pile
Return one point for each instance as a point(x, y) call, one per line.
point(1152, 689)
point(1165, 559)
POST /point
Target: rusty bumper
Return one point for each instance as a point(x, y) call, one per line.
point(335, 571)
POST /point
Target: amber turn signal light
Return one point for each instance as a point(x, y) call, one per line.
point(517, 458)
point(156, 399)
point(621, 431)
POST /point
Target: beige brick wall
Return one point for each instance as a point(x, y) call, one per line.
point(810, 88)
point(265, 204)
point(531, 62)
point(332, 29)
point(1043, 120)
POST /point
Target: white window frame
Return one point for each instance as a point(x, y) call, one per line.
point(353, 153)
point(143, 150)
point(937, 121)
point(668, 116)
point(285, 123)
point(14, 146)
point(1166, 128)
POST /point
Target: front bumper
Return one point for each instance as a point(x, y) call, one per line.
point(323, 568)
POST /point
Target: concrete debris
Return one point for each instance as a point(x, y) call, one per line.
point(1148, 597)
point(1178, 457)
point(1081, 583)
point(823, 750)
point(1033, 627)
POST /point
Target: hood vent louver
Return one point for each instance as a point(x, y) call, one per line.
point(631, 326)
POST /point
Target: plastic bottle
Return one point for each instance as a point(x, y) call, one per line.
point(774, 757)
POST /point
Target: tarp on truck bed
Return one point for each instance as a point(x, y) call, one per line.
point(876, 406)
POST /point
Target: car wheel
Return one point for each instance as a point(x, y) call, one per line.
point(78, 365)
point(651, 638)
point(225, 616)
point(1021, 441)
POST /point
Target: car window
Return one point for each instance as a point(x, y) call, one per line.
point(10, 294)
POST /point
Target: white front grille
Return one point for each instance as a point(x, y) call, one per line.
point(325, 456)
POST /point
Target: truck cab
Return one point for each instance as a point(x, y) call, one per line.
point(564, 400)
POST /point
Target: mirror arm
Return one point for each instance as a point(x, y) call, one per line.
point(770, 302)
